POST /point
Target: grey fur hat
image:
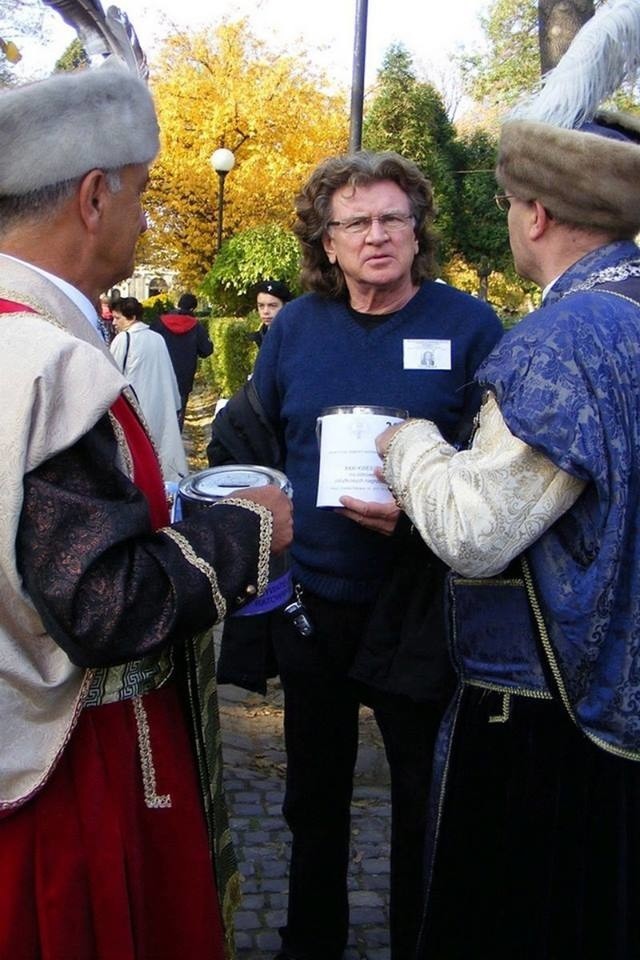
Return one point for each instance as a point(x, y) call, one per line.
point(60, 128)
point(560, 147)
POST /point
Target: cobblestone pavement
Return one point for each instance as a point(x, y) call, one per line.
point(254, 777)
point(255, 766)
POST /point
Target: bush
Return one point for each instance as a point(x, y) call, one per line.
point(233, 353)
point(258, 253)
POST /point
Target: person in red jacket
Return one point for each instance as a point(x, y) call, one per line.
point(186, 340)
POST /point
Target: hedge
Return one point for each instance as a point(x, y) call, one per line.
point(233, 353)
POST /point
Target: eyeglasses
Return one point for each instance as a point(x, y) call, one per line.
point(390, 223)
point(503, 201)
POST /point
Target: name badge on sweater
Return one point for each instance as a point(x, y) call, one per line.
point(426, 354)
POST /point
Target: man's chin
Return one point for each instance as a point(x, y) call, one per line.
point(124, 274)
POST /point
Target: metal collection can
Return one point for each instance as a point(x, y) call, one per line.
point(201, 490)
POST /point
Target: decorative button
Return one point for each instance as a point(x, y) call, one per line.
point(249, 592)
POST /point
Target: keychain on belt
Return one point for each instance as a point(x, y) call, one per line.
point(297, 613)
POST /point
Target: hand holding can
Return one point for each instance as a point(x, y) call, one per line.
point(281, 509)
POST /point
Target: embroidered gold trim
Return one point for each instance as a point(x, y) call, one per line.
point(128, 680)
point(27, 300)
point(152, 799)
point(505, 714)
point(266, 530)
point(135, 404)
point(403, 496)
point(514, 691)
point(555, 669)
point(200, 564)
point(620, 296)
point(394, 438)
point(489, 581)
point(400, 496)
point(123, 446)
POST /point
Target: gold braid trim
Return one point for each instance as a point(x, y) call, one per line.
point(554, 666)
point(200, 564)
point(27, 300)
point(266, 532)
point(45, 314)
point(123, 446)
point(400, 496)
point(132, 398)
point(153, 800)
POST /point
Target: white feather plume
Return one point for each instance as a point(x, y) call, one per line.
point(604, 53)
point(103, 35)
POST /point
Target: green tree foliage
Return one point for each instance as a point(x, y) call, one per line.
point(482, 234)
point(259, 253)
point(524, 38)
point(73, 57)
point(510, 64)
point(408, 115)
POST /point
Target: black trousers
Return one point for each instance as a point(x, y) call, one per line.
point(183, 409)
point(321, 732)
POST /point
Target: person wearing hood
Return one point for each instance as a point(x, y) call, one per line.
point(186, 340)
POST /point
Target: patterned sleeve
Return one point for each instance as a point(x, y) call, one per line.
point(108, 588)
point(479, 508)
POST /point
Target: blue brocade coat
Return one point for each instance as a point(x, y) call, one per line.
point(567, 380)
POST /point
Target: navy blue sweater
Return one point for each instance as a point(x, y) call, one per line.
point(317, 355)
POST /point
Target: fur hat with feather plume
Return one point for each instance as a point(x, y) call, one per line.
point(557, 146)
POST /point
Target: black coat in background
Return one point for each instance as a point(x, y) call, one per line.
point(186, 340)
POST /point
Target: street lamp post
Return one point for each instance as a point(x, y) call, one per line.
point(357, 82)
point(222, 161)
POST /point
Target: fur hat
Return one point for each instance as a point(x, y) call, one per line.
point(558, 147)
point(60, 128)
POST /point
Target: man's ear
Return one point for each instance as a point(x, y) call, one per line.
point(329, 248)
point(92, 196)
point(539, 221)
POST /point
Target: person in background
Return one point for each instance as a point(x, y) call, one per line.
point(105, 318)
point(537, 848)
point(113, 829)
point(186, 340)
point(271, 296)
point(144, 360)
point(371, 591)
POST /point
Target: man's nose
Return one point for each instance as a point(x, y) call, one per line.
point(377, 232)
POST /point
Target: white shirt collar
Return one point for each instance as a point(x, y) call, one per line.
point(548, 288)
point(82, 303)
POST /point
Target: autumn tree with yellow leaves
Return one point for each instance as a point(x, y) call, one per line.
point(226, 88)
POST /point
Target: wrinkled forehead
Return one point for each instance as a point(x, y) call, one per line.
point(378, 196)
